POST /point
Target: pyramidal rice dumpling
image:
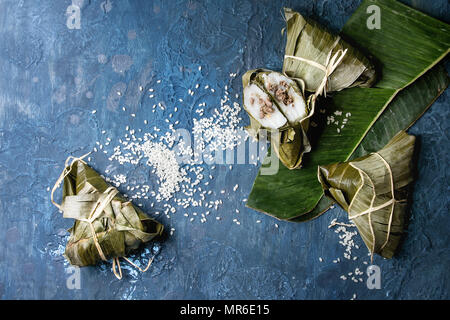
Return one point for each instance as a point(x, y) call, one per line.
point(324, 61)
point(277, 104)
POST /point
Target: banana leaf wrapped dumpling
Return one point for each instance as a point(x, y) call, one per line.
point(374, 190)
point(107, 226)
point(324, 61)
point(276, 103)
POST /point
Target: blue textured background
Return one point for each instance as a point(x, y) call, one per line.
point(52, 77)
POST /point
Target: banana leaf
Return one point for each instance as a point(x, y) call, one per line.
point(307, 39)
point(119, 227)
point(384, 110)
point(289, 142)
point(374, 190)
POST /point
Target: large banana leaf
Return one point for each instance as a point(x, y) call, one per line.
point(406, 47)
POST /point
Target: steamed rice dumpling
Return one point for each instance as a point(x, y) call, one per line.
point(287, 96)
point(276, 103)
point(321, 59)
point(107, 226)
point(373, 190)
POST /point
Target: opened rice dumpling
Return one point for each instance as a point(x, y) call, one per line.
point(373, 190)
point(321, 59)
point(261, 106)
point(107, 226)
point(277, 104)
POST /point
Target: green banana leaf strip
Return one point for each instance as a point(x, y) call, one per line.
point(374, 190)
point(299, 195)
point(407, 107)
point(119, 228)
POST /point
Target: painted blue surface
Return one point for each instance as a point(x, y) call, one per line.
point(52, 77)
